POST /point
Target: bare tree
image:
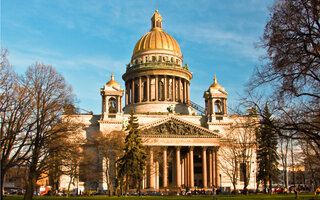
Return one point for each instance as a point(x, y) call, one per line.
point(110, 146)
point(243, 131)
point(66, 155)
point(312, 164)
point(50, 94)
point(283, 154)
point(292, 68)
point(229, 163)
point(241, 149)
point(15, 110)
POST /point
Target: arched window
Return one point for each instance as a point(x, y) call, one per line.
point(170, 88)
point(144, 90)
point(136, 92)
point(112, 103)
point(218, 107)
point(161, 89)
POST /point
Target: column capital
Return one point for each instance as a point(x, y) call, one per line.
point(216, 148)
point(178, 147)
point(204, 148)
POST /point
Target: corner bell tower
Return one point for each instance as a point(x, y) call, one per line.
point(111, 95)
point(215, 101)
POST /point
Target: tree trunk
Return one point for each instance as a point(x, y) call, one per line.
point(110, 187)
point(30, 186)
point(1, 184)
point(270, 184)
point(235, 188)
point(292, 160)
point(69, 184)
point(54, 179)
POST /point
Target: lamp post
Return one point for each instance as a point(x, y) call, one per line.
point(220, 182)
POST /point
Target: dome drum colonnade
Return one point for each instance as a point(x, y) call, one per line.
point(155, 78)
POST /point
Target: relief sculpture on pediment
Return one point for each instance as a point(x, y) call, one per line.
point(172, 128)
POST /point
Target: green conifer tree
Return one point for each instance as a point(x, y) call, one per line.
point(267, 156)
point(132, 161)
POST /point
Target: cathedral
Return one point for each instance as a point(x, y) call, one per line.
point(184, 141)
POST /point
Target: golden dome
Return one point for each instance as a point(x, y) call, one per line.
point(112, 82)
point(215, 84)
point(156, 38)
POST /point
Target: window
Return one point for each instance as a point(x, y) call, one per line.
point(244, 171)
point(217, 107)
point(136, 93)
point(161, 89)
point(144, 86)
point(112, 103)
point(206, 106)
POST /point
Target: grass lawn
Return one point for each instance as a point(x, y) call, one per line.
point(222, 197)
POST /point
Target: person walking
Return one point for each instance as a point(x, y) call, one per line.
point(213, 192)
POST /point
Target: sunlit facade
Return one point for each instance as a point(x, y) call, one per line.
point(183, 140)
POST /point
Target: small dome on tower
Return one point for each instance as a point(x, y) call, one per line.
point(112, 82)
point(215, 84)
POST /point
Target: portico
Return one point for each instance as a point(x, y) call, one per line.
point(183, 159)
point(189, 167)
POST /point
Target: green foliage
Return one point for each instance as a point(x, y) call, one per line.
point(132, 162)
point(267, 156)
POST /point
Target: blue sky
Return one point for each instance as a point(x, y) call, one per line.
point(87, 40)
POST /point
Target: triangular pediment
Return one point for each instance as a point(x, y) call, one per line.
point(173, 127)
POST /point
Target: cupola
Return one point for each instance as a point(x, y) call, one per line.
point(215, 101)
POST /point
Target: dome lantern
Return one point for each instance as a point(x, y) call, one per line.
point(156, 21)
